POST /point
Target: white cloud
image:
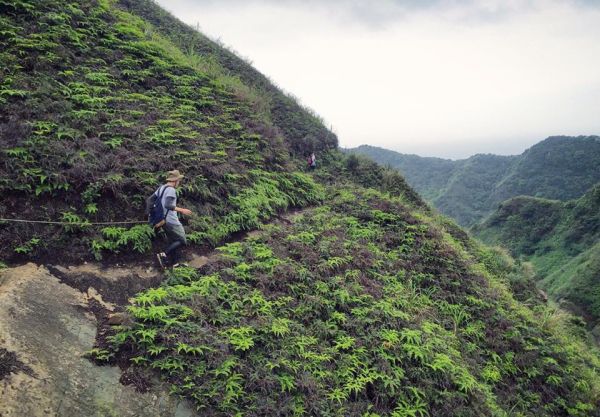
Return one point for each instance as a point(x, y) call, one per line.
point(447, 79)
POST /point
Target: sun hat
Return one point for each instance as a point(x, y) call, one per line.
point(174, 175)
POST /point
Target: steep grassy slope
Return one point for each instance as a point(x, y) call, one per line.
point(561, 239)
point(521, 223)
point(361, 307)
point(303, 128)
point(469, 190)
point(95, 104)
point(364, 305)
point(577, 281)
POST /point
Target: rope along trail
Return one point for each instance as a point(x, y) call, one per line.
point(71, 223)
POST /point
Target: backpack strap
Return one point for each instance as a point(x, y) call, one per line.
point(162, 190)
point(160, 195)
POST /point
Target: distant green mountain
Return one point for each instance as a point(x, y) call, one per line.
point(412, 166)
point(562, 239)
point(468, 190)
point(560, 167)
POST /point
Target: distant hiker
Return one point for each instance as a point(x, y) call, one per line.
point(165, 197)
point(312, 161)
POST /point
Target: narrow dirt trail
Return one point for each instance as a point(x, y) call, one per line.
point(49, 318)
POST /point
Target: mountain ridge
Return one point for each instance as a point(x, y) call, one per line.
point(560, 238)
point(559, 167)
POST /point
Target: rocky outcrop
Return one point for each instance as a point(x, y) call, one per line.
point(47, 327)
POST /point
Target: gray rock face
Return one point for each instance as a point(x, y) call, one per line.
point(48, 326)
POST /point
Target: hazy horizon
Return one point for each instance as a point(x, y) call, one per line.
point(465, 157)
point(434, 78)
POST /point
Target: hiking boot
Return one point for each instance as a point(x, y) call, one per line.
point(162, 259)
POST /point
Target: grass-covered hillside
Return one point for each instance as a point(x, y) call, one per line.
point(362, 306)
point(559, 167)
point(561, 239)
point(305, 129)
point(351, 298)
point(97, 102)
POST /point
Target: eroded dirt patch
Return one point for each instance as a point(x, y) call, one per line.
point(10, 364)
point(115, 285)
point(136, 377)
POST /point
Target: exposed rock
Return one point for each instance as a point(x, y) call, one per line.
point(198, 261)
point(92, 294)
point(114, 285)
point(48, 326)
point(117, 319)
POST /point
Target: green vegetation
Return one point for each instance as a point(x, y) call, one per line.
point(560, 239)
point(428, 176)
point(469, 190)
point(363, 306)
point(304, 130)
point(577, 282)
point(96, 102)
point(521, 223)
point(364, 303)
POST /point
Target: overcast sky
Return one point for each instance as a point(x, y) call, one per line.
point(432, 77)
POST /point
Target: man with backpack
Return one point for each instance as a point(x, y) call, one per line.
point(163, 213)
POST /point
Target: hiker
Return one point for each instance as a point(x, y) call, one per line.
point(312, 161)
point(172, 226)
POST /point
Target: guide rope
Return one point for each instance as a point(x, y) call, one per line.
point(71, 223)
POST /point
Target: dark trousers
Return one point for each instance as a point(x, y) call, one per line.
point(176, 236)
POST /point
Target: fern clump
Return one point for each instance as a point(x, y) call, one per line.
point(114, 239)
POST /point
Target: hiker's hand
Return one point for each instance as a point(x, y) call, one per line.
point(185, 212)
